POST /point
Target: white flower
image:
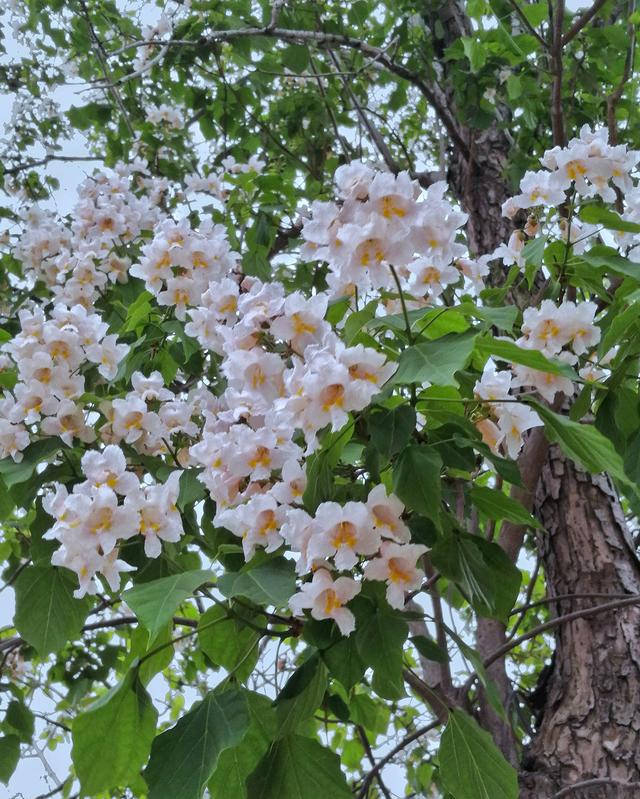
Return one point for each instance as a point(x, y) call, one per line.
point(326, 599)
point(397, 567)
point(343, 532)
point(386, 512)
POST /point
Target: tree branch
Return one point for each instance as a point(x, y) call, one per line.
point(43, 161)
point(592, 783)
point(581, 21)
point(433, 94)
point(391, 754)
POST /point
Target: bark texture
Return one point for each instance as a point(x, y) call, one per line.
point(590, 726)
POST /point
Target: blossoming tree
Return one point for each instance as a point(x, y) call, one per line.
point(320, 423)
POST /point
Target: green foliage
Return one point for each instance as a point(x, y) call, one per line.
point(125, 720)
point(47, 615)
point(436, 361)
point(471, 767)
point(270, 582)
point(298, 768)
point(154, 603)
point(184, 757)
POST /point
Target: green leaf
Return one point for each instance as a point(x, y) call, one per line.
point(137, 312)
point(416, 479)
point(476, 53)
point(344, 662)
point(9, 756)
point(112, 738)
point(296, 767)
point(435, 361)
point(609, 259)
point(497, 505)
point(184, 757)
point(471, 766)
point(228, 642)
point(391, 428)
point(599, 215)
point(509, 351)
point(380, 638)
point(236, 763)
point(503, 317)
point(482, 570)
point(301, 695)
point(154, 603)
point(19, 720)
point(14, 473)
point(191, 489)
point(583, 443)
point(47, 614)
point(429, 649)
point(272, 582)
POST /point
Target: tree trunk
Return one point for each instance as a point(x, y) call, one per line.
point(591, 719)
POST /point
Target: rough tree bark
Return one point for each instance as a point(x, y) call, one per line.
point(590, 729)
point(590, 726)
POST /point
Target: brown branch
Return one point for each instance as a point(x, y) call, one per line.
point(592, 783)
point(391, 754)
point(43, 161)
point(433, 94)
point(581, 21)
point(557, 43)
point(367, 748)
point(283, 237)
point(614, 98)
point(527, 24)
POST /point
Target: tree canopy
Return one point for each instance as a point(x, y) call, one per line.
point(339, 284)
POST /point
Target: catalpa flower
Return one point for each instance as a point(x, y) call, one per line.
point(396, 565)
point(326, 599)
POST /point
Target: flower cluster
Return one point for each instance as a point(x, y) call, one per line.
point(149, 416)
point(383, 230)
point(109, 507)
point(277, 373)
point(548, 329)
point(49, 354)
point(588, 162)
point(179, 263)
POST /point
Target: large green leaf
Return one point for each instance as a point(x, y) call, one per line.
point(610, 260)
point(155, 602)
point(272, 582)
point(380, 639)
point(583, 443)
point(344, 661)
point(9, 756)
point(599, 215)
point(228, 642)
point(510, 351)
point(184, 757)
point(390, 428)
point(471, 766)
point(296, 767)
point(47, 614)
point(236, 763)
point(112, 738)
point(482, 570)
point(301, 695)
point(417, 481)
point(497, 505)
point(435, 361)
